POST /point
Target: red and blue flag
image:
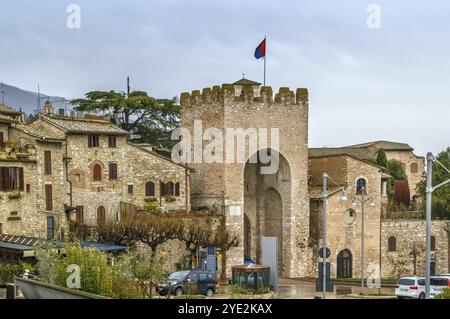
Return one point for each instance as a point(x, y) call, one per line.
point(260, 51)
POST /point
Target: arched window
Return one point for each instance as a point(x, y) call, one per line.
point(433, 243)
point(360, 184)
point(170, 189)
point(392, 244)
point(101, 216)
point(414, 168)
point(97, 172)
point(150, 189)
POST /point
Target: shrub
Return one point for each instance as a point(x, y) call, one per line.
point(445, 294)
point(8, 271)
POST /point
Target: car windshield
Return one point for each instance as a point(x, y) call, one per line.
point(178, 275)
point(406, 282)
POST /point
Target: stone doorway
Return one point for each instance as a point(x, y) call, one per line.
point(267, 208)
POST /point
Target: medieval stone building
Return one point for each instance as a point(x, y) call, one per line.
point(55, 169)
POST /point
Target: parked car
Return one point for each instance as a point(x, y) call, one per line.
point(189, 281)
point(414, 287)
point(437, 283)
point(410, 287)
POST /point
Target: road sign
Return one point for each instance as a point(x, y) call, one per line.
point(327, 250)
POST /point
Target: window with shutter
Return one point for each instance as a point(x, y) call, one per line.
point(169, 189)
point(177, 189)
point(48, 162)
point(48, 197)
point(79, 215)
point(113, 171)
point(101, 216)
point(21, 182)
point(2, 141)
point(93, 141)
point(112, 142)
point(150, 189)
point(97, 170)
point(130, 189)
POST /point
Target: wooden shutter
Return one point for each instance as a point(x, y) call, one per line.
point(2, 179)
point(7, 179)
point(2, 143)
point(177, 189)
point(97, 172)
point(50, 227)
point(89, 140)
point(21, 183)
point(162, 189)
point(101, 216)
point(150, 189)
point(48, 162)
point(79, 215)
point(48, 197)
point(112, 142)
point(112, 170)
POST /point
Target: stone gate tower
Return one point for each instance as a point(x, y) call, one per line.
point(255, 204)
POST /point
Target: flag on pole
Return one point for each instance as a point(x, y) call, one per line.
point(260, 51)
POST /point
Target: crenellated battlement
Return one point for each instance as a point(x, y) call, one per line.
point(248, 94)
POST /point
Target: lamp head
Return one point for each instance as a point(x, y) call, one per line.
point(343, 196)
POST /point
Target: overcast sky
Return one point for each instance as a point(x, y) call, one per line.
point(390, 83)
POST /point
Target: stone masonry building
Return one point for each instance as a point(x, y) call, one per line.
point(55, 169)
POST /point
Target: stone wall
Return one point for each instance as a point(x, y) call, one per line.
point(409, 256)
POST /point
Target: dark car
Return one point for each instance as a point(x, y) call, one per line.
point(189, 282)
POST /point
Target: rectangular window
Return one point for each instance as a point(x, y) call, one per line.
point(28, 188)
point(11, 179)
point(113, 171)
point(130, 189)
point(80, 215)
point(93, 141)
point(48, 162)
point(50, 227)
point(2, 141)
point(112, 142)
point(48, 197)
point(177, 189)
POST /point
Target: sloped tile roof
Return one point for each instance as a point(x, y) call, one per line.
point(81, 126)
point(245, 81)
point(386, 145)
point(5, 109)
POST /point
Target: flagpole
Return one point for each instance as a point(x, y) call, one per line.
point(265, 57)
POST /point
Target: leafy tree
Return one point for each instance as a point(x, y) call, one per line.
point(441, 196)
point(225, 241)
point(396, 170)
point(381, 158)
point(142, 267)
point(152, 120)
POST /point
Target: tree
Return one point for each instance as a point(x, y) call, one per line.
point(156, 230)
point(381, 158)
point(197, 234)
point(152, 120)
point(224, 240)
point(441, 196)
point(396, 170)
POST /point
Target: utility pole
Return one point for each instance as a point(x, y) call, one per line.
point(324, 234)
point(128, 86)
point(429, 191)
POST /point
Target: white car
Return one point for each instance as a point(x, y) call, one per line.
point(437, 283)
point(414, 287)
point(410, 287)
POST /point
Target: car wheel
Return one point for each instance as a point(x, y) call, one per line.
point(178, 292)
point(209, 292)
point(422, 295)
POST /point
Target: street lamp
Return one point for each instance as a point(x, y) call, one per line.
point(363, 202)
point(429, 190)
point(342, 197)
